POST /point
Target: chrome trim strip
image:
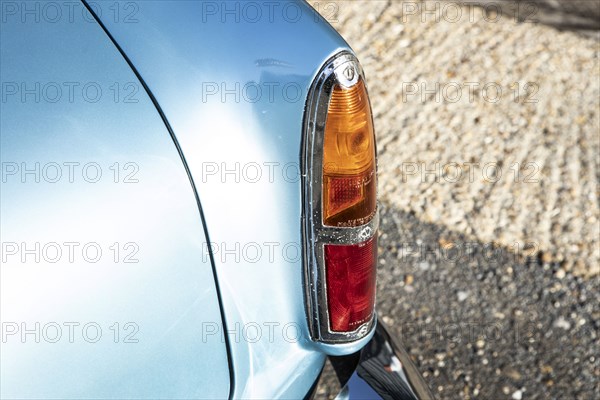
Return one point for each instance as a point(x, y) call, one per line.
point(339, 235)
point(344, 69)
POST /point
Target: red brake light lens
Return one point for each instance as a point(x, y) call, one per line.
point(351, 275)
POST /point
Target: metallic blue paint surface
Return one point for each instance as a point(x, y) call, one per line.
point(162, 302)
point(232, 81)
point(204, 61)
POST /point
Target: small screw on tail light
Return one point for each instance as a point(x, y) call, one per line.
point(340, 204)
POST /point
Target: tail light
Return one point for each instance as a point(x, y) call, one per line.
point(340, 204)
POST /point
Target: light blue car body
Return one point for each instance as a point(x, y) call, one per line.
point(204, 157)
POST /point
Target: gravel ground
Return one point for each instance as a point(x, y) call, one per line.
point(488, 133)
point(486, 323)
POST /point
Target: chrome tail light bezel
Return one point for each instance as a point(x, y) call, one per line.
point(314, 233)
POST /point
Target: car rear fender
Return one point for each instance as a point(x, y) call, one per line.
point(233, 87)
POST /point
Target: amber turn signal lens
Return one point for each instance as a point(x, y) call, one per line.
point(349, 179)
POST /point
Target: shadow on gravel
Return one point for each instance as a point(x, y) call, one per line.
point(482, 321)
point(582, 16)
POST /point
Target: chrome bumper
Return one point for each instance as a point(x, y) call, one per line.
point(381, 370)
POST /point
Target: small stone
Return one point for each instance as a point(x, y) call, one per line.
point(462, 295)
point(397, 29)
point(513, 374)
point(423, 265)
point(562, 324)
point(546, 369)
point(518, 395)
